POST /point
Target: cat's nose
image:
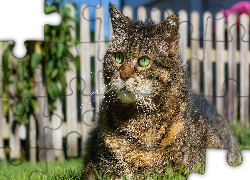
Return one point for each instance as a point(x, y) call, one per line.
point(125, 76)
point(126, 73)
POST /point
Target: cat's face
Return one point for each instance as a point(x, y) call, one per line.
point(142, 60)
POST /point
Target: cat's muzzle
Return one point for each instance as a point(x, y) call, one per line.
point(125, 95)
point(123, 90)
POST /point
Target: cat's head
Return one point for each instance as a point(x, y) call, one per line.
point(142, 60)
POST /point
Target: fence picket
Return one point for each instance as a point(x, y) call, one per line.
point(32, 139)
point(168, 12)
point(14, 141)
point(44, 142)
point(85, 59)
point(127, 11)
point(2, 122)
point(183, 35)
point(207, 63)
point(195, 45)
point(99, 53)
point(141, 13)
point(156, 14)
point(220, 63)
point(57, 129)
point(244, 68)
point(232, 68)
point(71, 100)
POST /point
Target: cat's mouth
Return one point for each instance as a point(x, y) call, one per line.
point(124, 89)
point(125, 95)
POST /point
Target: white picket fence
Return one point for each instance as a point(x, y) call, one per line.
point(195, 54)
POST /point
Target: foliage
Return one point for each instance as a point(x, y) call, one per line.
point(16, 73)
point(50, 56)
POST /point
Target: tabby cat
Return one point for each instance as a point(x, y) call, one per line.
point(149, 117)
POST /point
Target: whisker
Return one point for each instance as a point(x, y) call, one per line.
point(96, 91)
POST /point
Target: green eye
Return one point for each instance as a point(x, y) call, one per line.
point(144, 61)
point(119, 57)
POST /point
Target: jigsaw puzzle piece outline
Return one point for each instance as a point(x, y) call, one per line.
point(214, 170)
point(34, 32)
point(41, 96)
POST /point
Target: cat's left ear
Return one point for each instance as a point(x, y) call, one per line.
point(118, 20)
point(168, 29)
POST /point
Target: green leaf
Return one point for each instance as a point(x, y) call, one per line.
point(53, 32)
point(53, 49)
point(51, 66)
point(46, 28)
point(54, 73)
point(27, 97)
point(50, 9)
point(35, 59)
point(49, 89)
point(24, 118)
point(59, 64)
point(19, 109)
point(33, 104)
point(55, 89)
point(60, 50)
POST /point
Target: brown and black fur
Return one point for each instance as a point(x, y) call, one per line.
point(165, 121)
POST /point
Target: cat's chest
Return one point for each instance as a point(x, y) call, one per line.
point(145, 131)
point(137, 132)
point(139, 140)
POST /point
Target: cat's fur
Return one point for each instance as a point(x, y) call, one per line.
point(149, 116)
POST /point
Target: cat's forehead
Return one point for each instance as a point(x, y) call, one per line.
point(139, 38)
point(142, 25)
point(144, 32)
point(139, 33)
point(141, 29)
point(136, 44)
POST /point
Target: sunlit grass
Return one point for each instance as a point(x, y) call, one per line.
point(54, 170)
point(170, 175)
point(242, 133)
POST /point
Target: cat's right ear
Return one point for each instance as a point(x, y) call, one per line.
point(168, 29)
point(119, 22)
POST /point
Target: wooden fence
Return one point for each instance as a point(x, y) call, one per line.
point(226, 102)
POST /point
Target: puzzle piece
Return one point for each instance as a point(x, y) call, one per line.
point(44, 127)
point(27, 25)
point(217, 166)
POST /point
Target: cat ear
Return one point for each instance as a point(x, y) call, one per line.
point(168, 29)
point(119, 22)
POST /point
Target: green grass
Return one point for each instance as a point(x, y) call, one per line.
point(71, 169)
point(55, 170)
point(242, 133)
point(170, 175)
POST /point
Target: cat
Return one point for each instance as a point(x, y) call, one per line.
point(149, 116)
